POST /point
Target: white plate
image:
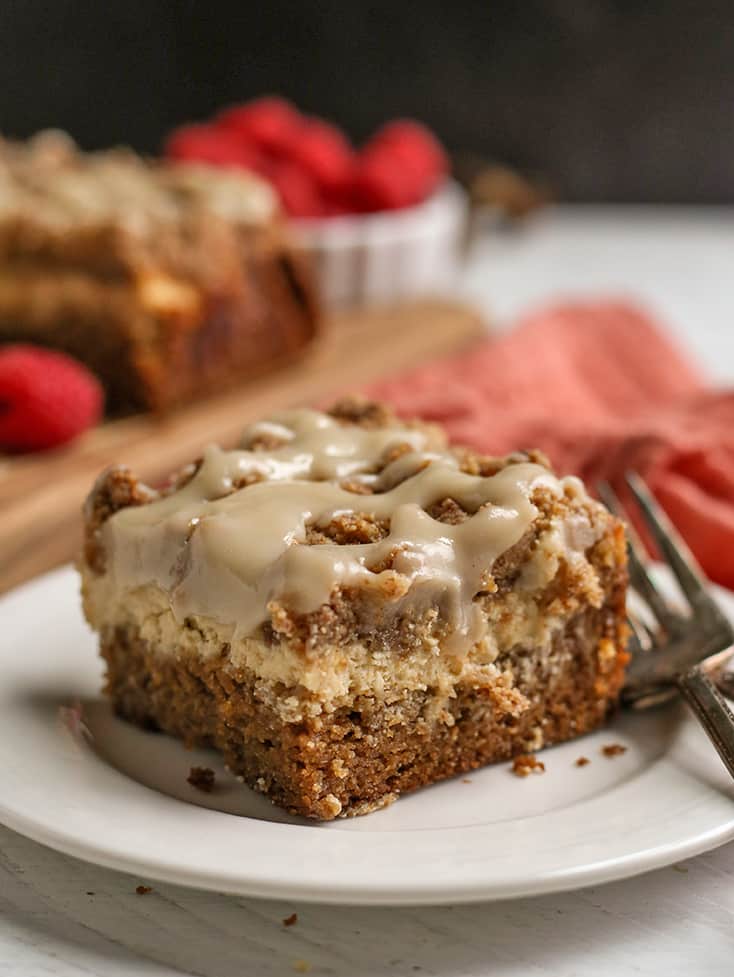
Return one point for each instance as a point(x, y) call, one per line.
point(119, 796)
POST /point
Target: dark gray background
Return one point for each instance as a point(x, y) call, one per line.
point(612, 99)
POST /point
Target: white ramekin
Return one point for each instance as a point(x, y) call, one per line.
point(380, 258)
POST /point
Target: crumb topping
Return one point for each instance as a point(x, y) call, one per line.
point(362, 412)
point(72, 188)
point(348, 528)
point(115, 489)
point(352, 518)
point(448, 511)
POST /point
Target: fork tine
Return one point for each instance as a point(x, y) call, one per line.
point(611, 500)
point(646, 588)
point(677, 555)
point(639, 576)
point(640, 639)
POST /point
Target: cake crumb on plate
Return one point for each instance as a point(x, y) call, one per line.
point(526, 764)
point(613, 749)
point(143, 890)
point(202, 778)
point(582, 761)
point(291, 920)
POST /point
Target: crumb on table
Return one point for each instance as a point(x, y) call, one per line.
point(526, 764)
point(613, 749)
point(202, 778)
point(582, 761)
point(143, 890)
point(291, 920)
point(301, 966)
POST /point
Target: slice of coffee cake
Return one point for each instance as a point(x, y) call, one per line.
point(168, 281)
point(349, 609)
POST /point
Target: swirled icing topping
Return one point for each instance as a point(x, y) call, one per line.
point(236, 536)
point(49, 176)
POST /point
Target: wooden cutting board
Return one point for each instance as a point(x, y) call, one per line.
point(41, 495)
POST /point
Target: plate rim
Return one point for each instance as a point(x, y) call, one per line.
point(599, 873)
point(355, 891)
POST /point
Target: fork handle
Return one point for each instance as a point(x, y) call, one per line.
point(711, 711)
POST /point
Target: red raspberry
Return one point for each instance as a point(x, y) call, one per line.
point(207, 144)
point(297, 190)
point(324, 152)
point(46, 398)
point(382, 183)
point(401, 165)
point(339, 208)
point(411, 139)
point(271, 123)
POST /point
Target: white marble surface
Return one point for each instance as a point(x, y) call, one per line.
point(63, 917)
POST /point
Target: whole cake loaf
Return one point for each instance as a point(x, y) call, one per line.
point(168, 281)
point(348, 608)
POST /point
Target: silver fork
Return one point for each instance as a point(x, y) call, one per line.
point(674, 648)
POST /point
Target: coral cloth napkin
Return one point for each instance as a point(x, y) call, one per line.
point(601, 390)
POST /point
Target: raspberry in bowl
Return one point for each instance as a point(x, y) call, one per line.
point(382, 222)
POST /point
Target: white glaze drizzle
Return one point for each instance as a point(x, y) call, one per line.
point(227, 554)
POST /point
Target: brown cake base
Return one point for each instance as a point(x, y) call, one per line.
point(157, 357)
point(362, 757)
